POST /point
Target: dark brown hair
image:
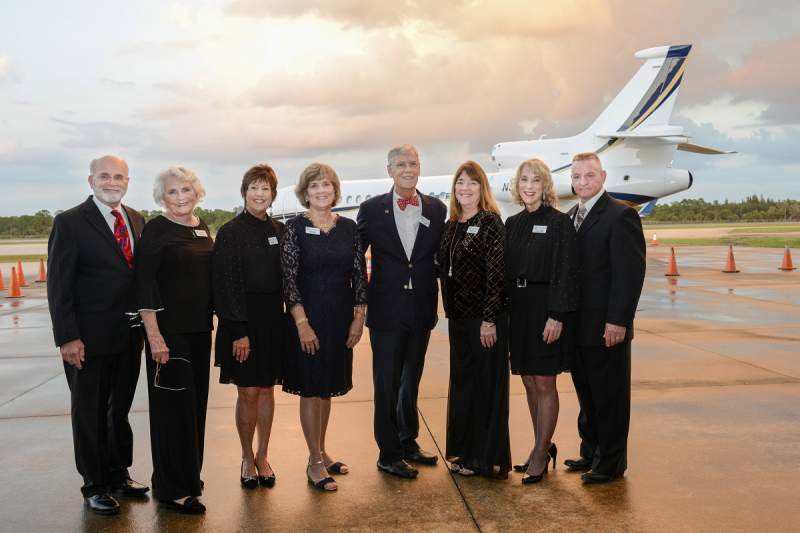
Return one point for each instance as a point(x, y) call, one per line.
point(262, 172)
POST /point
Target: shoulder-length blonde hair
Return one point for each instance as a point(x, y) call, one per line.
point(541, 171)
point(486, 202)
point(314, 172)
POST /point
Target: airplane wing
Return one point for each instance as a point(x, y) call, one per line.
point(698, 149)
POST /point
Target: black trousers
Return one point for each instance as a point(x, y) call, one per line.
point(602, 378)
point(101, 394)
point(178, 392)
point(398, 358)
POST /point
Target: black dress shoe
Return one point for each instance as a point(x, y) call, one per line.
point(190, 505)
point(399, 468)
point(421, 456)
point(578, 465)
point(247, 481)
point(596, 477)
point(102, 504)
point(130, 487)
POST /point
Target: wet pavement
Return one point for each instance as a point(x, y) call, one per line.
point(714, 433)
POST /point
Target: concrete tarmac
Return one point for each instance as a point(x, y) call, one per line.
point(713, 446)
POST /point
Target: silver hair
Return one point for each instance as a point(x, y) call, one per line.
point(95, 162)
point(401, 149)
point(183, 174)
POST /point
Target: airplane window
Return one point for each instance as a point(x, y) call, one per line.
point(349, 198)
point(358, 199)
point(367, 197)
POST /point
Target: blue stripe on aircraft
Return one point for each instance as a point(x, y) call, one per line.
point(681, 50)
point(632, 198)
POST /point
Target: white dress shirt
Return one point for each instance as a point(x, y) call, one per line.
point(590, 202)
point(407, 221)
point(110, 219)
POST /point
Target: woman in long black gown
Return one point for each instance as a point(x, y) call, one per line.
point(248, 298)
point(470, 262)
point(541, 275)
point(325, 288)
point(173, 275)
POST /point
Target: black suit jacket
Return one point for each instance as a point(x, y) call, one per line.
point(90, 286)
point(611, 256)
point(391, 267)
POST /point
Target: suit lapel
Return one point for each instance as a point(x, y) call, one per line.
point(135, 225)
point(594, 214)
point(388, 217)
point(95, 219)
point(422, 230)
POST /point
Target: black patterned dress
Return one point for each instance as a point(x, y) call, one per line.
point(248, 299)
point(327, 274)
point(541, 277)
point(470, 262)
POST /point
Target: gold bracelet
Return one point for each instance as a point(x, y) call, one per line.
point(298, 322)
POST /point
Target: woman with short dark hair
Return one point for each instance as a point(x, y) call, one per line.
point(249, 304)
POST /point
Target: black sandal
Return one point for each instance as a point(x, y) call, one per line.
point(338, 468)
point(320, 485)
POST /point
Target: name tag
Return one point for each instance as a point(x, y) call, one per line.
point(273, 241)
point(424, 221)
point(473, 230)
point(200, 233)
point(311, 230)
point(539, 229)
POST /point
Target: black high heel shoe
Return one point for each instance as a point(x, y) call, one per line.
point(248, 482)
point(535, 478)
point(552, 451)
point(266, 481)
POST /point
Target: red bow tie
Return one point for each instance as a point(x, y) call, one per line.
point(402, 202)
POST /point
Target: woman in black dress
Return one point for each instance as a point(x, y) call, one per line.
point(470, 262)
point(248, 300)
point(541, 275)
point(325, 288)
point(173, 272)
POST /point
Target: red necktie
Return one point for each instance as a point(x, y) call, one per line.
point(123, 239)
point(402, 202)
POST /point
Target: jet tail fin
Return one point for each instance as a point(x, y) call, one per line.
point(649, 97)
point(647, 209)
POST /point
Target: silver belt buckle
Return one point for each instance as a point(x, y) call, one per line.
point(522, 283)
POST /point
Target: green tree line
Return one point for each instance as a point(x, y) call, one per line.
point(751, 209)
point(39, 224)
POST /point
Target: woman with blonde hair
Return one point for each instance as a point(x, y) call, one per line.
point(325, 289)
point(470, 262)
point(541, 280)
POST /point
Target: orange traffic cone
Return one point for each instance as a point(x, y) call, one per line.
point(786, 265)
point(42, 272)
point(672, 269)
point(654, 241)
point(730, 264)
point(21, 275)
point(13, 285)
point(2, 285)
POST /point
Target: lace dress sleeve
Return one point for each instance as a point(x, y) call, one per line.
point(359, 280)
point(495, 268)
point(290, 264)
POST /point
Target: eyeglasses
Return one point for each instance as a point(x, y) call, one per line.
point(105, 178)
point(157, 380)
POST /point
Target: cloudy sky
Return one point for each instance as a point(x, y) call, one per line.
point(220, 85)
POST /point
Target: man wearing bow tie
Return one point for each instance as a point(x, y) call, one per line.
point(403, 227)
point(611, 256)
point(92, 297)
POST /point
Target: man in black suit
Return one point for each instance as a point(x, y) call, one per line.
point(611, 255)
point(403, 227)
point(92, 296)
